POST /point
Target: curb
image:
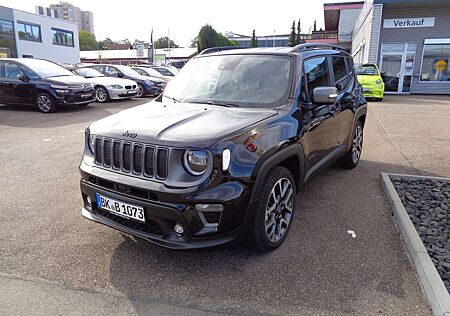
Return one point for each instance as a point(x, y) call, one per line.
point(429, 279)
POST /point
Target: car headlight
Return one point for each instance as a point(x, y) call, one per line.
point(196, 162)
point(61, 89)
point(91, 140)
point(379, 81)
point(115, 86)
point(148, 82)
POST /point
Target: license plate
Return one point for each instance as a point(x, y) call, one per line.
point(367, 90)
point(120, 208)
point(86, 95)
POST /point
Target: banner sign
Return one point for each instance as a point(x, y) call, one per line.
point(408, 23)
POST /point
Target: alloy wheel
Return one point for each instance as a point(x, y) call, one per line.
point(44, 103)
point(279, 209)
point(357, 143)
point(140, 92)
point(101, 95)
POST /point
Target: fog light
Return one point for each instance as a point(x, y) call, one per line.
point(179, 230)
point(88, 199)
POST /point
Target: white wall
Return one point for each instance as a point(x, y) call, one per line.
point(362, 35)
point(46, 49)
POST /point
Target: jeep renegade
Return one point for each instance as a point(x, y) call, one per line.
point(224, 151)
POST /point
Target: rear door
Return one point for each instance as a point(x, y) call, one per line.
point(320, 126)
point(3, 95)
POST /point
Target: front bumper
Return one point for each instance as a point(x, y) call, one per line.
point(152, 90)
point(373, 92)
point(165, 209)
point(115, 94)
point(76, 98)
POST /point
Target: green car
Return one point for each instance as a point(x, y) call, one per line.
point(369, 76)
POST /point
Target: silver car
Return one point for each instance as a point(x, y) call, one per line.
point(108, 88)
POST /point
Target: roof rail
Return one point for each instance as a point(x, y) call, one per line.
point(311, 46)
point(219, 49)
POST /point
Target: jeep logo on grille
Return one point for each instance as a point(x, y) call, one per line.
point(128, 134)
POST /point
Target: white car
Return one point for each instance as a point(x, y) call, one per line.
point(150, 72)
point(108, 88)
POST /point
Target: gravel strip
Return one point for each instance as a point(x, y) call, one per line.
point(428, 204)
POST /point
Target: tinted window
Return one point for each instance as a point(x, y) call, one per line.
point(340, 73)
point(62, 37)
point(99, 68)
point(140, 71)
point(30, 74)
point(12, 70)
point(317, 73)
point(29, 32)
point(111, 71)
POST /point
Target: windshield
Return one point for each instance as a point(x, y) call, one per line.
point(127, 71)
point(239, 80)
point(88, 73)
point(366, 70)
point(152, 72)
point(45, 69)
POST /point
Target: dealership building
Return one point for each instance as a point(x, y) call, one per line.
point(409, 41)
point(24, 34)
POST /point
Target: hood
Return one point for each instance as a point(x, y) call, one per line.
point(179, 124)
point(68, 80)
point(107, 81)
point(367, 79)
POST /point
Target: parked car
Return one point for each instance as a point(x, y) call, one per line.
point(108, 88)
point(370, 78)
point(166, 71)
point(153, 73)
point(42, 83)
point(178, 64)
point(229, 158)
point(149, 72)
point(145, 86)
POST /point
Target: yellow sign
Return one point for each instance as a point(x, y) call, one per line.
point(3, 55)
point(440, 65)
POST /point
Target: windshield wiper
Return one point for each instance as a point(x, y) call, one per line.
point(225, 104)
point(173, 99)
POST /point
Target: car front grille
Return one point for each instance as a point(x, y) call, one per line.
point(130, 157)
point(130, 87)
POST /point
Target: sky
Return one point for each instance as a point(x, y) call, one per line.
point(182, 19)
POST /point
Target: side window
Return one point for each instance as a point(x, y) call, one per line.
point(317, 74)
point(12, 70)
point(2, 66)
point(30, 74)
point(99, 68)
point(340, 73)
point(140, 71)
point(350, 69)
point(111, 71)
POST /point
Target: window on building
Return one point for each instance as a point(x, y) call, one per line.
point(435, 64)
point(317, 74)
point(340, 73)
point(62, 37)
point(29, 32)
point(7, 39)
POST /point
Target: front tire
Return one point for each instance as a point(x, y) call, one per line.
point(101, 94)
point(351, 158)
point(141, 91)
point(274, 213)
point(45, 103)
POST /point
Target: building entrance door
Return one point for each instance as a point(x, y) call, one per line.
point(397, 65)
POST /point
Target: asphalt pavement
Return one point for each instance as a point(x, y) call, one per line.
point(53, 261)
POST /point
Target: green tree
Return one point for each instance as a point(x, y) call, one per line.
point(87, 40)
point(194, 42)
point(208, 37)
point(254, 41)
point(298, 38)
point(292, 35)
point(163, 42)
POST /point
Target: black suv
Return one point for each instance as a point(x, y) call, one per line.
point(145, 84)
point(224, 155)
point(42, 83)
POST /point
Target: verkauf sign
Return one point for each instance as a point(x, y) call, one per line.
point(408, 23)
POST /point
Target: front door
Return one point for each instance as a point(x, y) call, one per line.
point(397, 64)
point(320, 127)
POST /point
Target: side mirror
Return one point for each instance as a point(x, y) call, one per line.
point(23, 77)
point(325, 95)
point(120, 75)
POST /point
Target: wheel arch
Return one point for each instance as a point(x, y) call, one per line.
point(290, 157)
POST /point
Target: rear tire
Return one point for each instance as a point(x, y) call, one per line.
point(274, 213)
point(352, 157)
point(45, 103)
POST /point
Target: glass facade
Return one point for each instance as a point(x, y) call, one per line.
point(7, 39)
point(62, 37)
point(29, 32)
point(435, 67)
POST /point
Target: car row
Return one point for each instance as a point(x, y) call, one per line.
point(49, 85)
